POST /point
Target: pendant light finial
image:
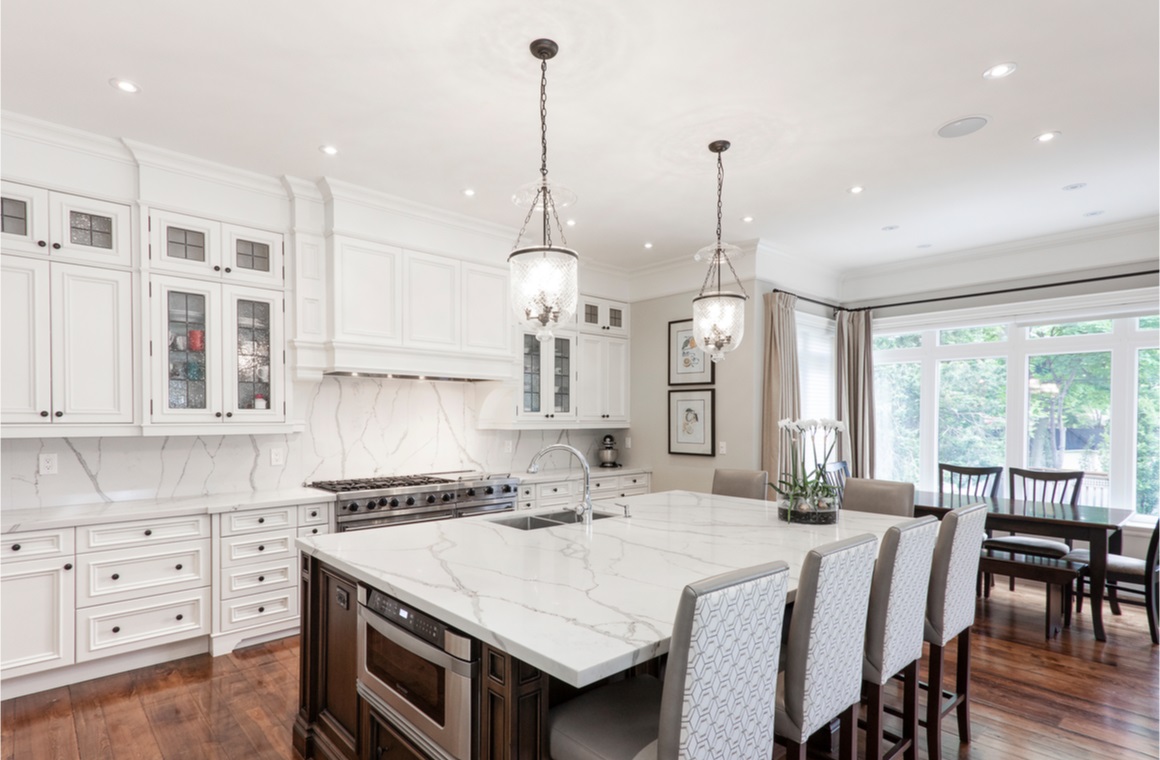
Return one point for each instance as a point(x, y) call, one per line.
point(544, 277)
point(719, 315)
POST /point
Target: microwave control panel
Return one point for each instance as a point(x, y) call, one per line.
point(406, 617)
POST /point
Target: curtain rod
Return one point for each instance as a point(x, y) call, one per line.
point(1002, 291)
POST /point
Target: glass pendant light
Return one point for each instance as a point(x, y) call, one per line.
point(543, 277)
point(719, 315)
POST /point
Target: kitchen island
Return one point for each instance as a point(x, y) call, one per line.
point(572, 602)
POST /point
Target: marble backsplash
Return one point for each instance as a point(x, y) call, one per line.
point(355, 427)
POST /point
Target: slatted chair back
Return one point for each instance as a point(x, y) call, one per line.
point(835, 474)
point(1045, 486)
point(978, 482)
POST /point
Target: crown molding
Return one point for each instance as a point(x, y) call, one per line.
point(57, 136)
point(306, 189)
point(199, 168)
point(337, 190)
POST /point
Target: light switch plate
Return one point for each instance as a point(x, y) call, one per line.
point(47, 464)
point(277, 457)
point(721, 447)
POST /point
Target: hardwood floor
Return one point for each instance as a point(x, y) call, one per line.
point(1069, 698)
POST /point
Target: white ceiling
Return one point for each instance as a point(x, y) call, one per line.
point(424, 99)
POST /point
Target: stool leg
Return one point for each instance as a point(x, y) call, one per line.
point(963, 685)
point(934, 704)
point(874, 717)
point(848, 733)
point(794, 751)
point(910, 710)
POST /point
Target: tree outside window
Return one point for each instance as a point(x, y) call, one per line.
point(972, 412)
point(1147, 429)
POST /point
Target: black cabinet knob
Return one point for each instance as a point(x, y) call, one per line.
point(178, 566)
point(315, 531)
point(261, 609)
point(216, 268)
point(228, 270)
point(229, 414)
point(60, 414)
point(148, 532)
point(56, 246)
point(261, 520)
point(15, 547)
point(261, 548)
point(116, 629)
point(68, 566)
point(217, 414)
point(44, 414)
point(314, 513)
point(261, 578)
point(41, 243)
point(116, 576)
point(180, 616)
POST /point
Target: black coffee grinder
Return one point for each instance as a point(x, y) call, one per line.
point(608, 453)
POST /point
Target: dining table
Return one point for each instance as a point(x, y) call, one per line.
point(1100, 527)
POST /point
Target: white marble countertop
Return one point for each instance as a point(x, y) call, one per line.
point(44, 518)
point(579, 604)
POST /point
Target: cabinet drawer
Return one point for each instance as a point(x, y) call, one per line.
point(527, 492)
point(258, 577)
point(238, 550)
point(313, 514)
point(609, 483)
point(122, 574)
point(258, 609)
point(259, 519)
point(635, 481)
point(313, 530)
point(556, 489)
point(527, 504)
point(141, 533)
point(35, 544)
point(139, 623)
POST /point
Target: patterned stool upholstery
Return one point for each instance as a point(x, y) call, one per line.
point(894, 627)
point(822, 678)
point(717, 699)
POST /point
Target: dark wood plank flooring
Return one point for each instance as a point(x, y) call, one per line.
point(1071, 698)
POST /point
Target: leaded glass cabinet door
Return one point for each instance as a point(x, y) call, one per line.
point(24, 218)
point(89, 231)
point(548, 379)
point(254, 386)
point(251, 256)
point(187, 348)
point(184, 244)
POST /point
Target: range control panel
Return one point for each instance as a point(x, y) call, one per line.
point(423, 626)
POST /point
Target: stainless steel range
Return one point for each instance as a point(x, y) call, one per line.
point(363, 503)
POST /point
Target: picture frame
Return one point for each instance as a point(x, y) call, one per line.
point(692, 422)
point(688, 364)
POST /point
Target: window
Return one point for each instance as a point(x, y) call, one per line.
point(815, 347)
point(1064, 393)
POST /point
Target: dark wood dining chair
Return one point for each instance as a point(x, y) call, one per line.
point(835, 474)
point(981, 482)
point(1040, 487)
point(1137, 572)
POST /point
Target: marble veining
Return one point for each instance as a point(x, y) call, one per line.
point(354, 427)
point(581, 603)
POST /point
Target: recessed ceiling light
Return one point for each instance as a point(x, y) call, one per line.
point(648, 245)
point(1076, 186)
point(1047, 137)
point(999, 71)
point(925, 245)
point(962, 127)
point(329, 150)
point(124, 85)
point(1093, 213)
point(890, 228)
point(468, 192)
point(571, 222)
point(856, 189)
point(747, 219)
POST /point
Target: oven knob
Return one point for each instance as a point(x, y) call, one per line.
point(446, 497)
point(383, 502)
point(507, 489)
point(410, 501)
point(471, 492)
point(489, 491)
point(431, 499)
point(372, 504)
point(353, 506)
point(394, 502)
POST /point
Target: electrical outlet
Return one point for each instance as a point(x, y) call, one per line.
point(507, 447)
point(47, 464)
point(628, 442)
point(277, 457)
point(721, 447)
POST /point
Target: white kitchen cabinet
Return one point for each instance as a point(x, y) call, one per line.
point(68, 334)
point(487, 314)
point(121, 574)
point(567, 491)
point(601, 316)
point(64, 227)
point(603, 379)
point(140, 623)
point(196, 247)
point(37, 599)
point(431, 302)
point(217, 352)
point(367, 289)
point(548, 378)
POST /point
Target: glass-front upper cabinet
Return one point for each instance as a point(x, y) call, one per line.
point(548, 377)
point(601, 316)
point(217, 352)
point(63, 226)
point(191, 245)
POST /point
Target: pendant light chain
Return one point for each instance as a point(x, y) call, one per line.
point(543, 194)
point(714, 270)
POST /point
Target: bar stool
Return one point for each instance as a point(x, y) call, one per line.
point(894, 629)
point(950, 613)
point(884, 497)
point(822, 677)
point(746, 484)
point(716, 700)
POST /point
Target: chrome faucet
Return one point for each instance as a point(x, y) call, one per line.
point(585, 508)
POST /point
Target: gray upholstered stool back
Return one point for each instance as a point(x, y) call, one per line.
point(747, 484)
point(950, 604)
point(719, 691)
point(894, 622)
point(885, 497)
point(827, 633)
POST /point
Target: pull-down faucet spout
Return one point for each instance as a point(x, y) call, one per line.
point(585, 508)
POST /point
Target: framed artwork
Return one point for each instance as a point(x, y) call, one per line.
point(691, 422)
point(688, 364)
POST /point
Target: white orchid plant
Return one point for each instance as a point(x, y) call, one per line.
point(806, 482)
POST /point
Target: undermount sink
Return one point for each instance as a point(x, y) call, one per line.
point(549, 520)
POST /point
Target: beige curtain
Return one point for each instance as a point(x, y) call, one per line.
point(855, 385)
point(780, 397)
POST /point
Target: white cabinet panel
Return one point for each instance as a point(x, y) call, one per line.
point(184, 244)
point(17, 547)
point(25, 372)
point(258, 577)
point(313, 530)
point(314, 514)
point(36, 615)
point(432, 304)
point(127, 626)
point(129, 573)
point(253, 520)
point(237, 550)
point(367, 289)
point(258, 609)
point(252, 256)
point(487, 313)
point(25, 218)
point(616, 379)
point(603, 379)
point(141, 532)
point(92, 339)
